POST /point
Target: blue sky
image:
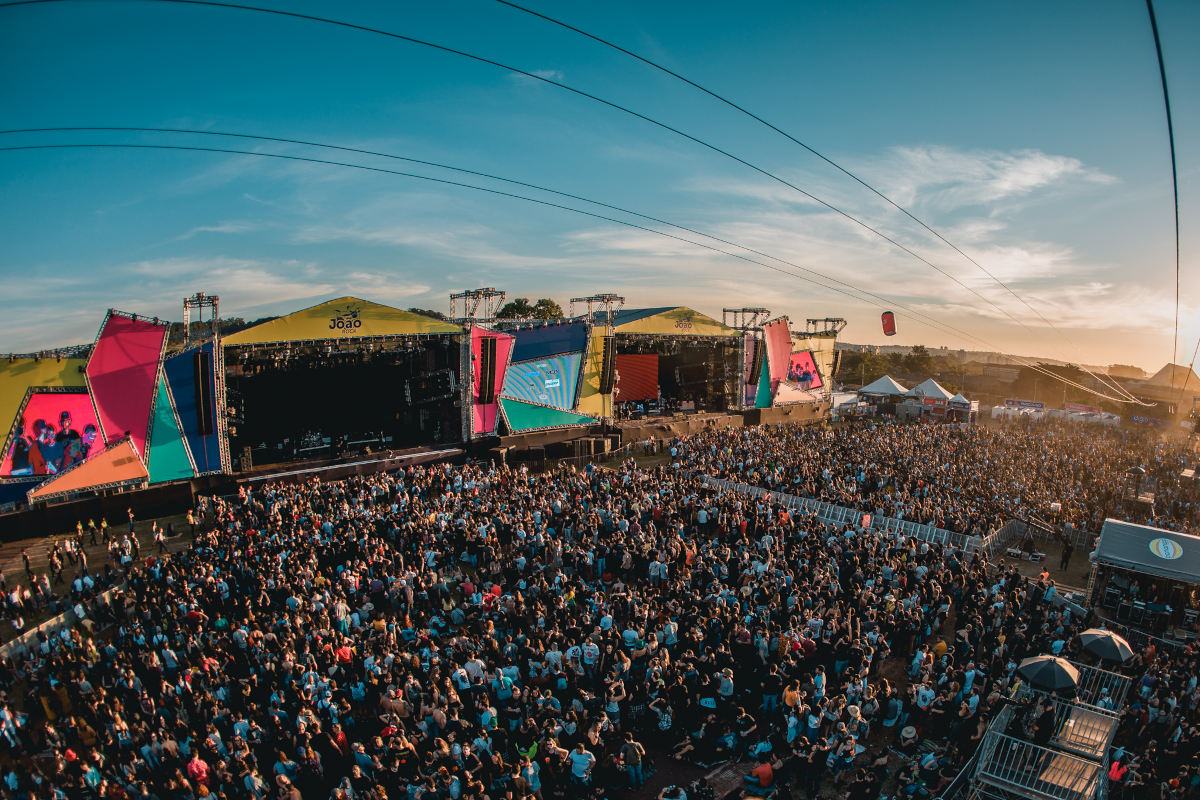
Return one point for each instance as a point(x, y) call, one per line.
point(1032, 135)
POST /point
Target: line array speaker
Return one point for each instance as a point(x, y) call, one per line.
point(760, 353)
point(487, 370)
point(608, 372)
point(202, 375)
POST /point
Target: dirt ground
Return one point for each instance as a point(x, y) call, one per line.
point(1074, 577)
point(39, 551)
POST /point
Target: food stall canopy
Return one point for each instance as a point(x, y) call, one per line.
point(928, 389)
point(884, 386)
point(1152, 551)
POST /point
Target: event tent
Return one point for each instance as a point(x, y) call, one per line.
point(883, 386)
point(1153, 551)
point(929, 388)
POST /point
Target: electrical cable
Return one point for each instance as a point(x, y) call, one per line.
point(580, 92)
point(1162, 73)
point(743, 110)
point(361, 151)
point(511, 195)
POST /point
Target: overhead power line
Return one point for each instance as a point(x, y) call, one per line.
point(512, 195)
point(745, 111)
point(1162, 73)
point(581, 93)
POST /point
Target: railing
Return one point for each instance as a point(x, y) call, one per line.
point(1140, 640)
point(620, 454)
point(1079, 728)
point(841, 515)
point(957, 788)
point(1017, 765)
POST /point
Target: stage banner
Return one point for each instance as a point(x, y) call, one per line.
point(552, 340)
point(119, 465)
point(779, 349)
point(54, 432)
point(122, 372)
point(762, 398)
point(546, 381)
point(168, 458)
point(637, 378)
point(180, 372)
point(591, 402)
point(484, 415)
point(522, 417)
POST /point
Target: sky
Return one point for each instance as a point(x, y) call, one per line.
point(1031, 135)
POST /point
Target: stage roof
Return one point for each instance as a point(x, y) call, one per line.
point(1153, 551)
point(669, 321)
point(343, 318)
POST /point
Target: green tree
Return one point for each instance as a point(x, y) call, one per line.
point(918, 362)
point(427, 312)
point(521, 308)
point(545, 308)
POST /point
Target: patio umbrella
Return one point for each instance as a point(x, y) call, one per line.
point(1106, 645)
point(1049, 673)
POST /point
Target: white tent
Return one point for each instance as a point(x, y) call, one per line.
point(929, 388)
point(960, 401)
point(884, 386)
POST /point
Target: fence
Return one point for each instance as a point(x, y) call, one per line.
point(1014, 765)
point(841, 515)
point(1015, 529)
point(1140, 640)
point(620, 454)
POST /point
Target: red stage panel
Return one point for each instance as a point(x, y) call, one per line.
point(121, 374)
point(637, 378)
point(55, 431)
point(486, 414)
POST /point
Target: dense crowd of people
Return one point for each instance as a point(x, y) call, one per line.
point(968, 479)
point(456, 633)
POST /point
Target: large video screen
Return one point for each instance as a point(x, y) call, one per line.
point(547, 382)
point(802, 371)
point(56, 431)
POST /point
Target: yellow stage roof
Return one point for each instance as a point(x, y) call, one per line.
point(344, 318)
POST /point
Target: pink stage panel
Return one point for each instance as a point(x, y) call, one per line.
point(485, 414)
point(779, 349)
point(121, 374)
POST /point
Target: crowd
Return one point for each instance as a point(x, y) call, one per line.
point(967, 479)
point(456, 633)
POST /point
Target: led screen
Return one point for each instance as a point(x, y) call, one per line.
point(802, 371)
point(55, 431)
point(547, 382)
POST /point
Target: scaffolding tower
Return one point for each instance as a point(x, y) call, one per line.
point(607, 304)
point(745, 319)
point(478, 305)
point(198, 302)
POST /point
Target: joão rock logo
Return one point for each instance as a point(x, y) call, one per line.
point(1165, 548)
